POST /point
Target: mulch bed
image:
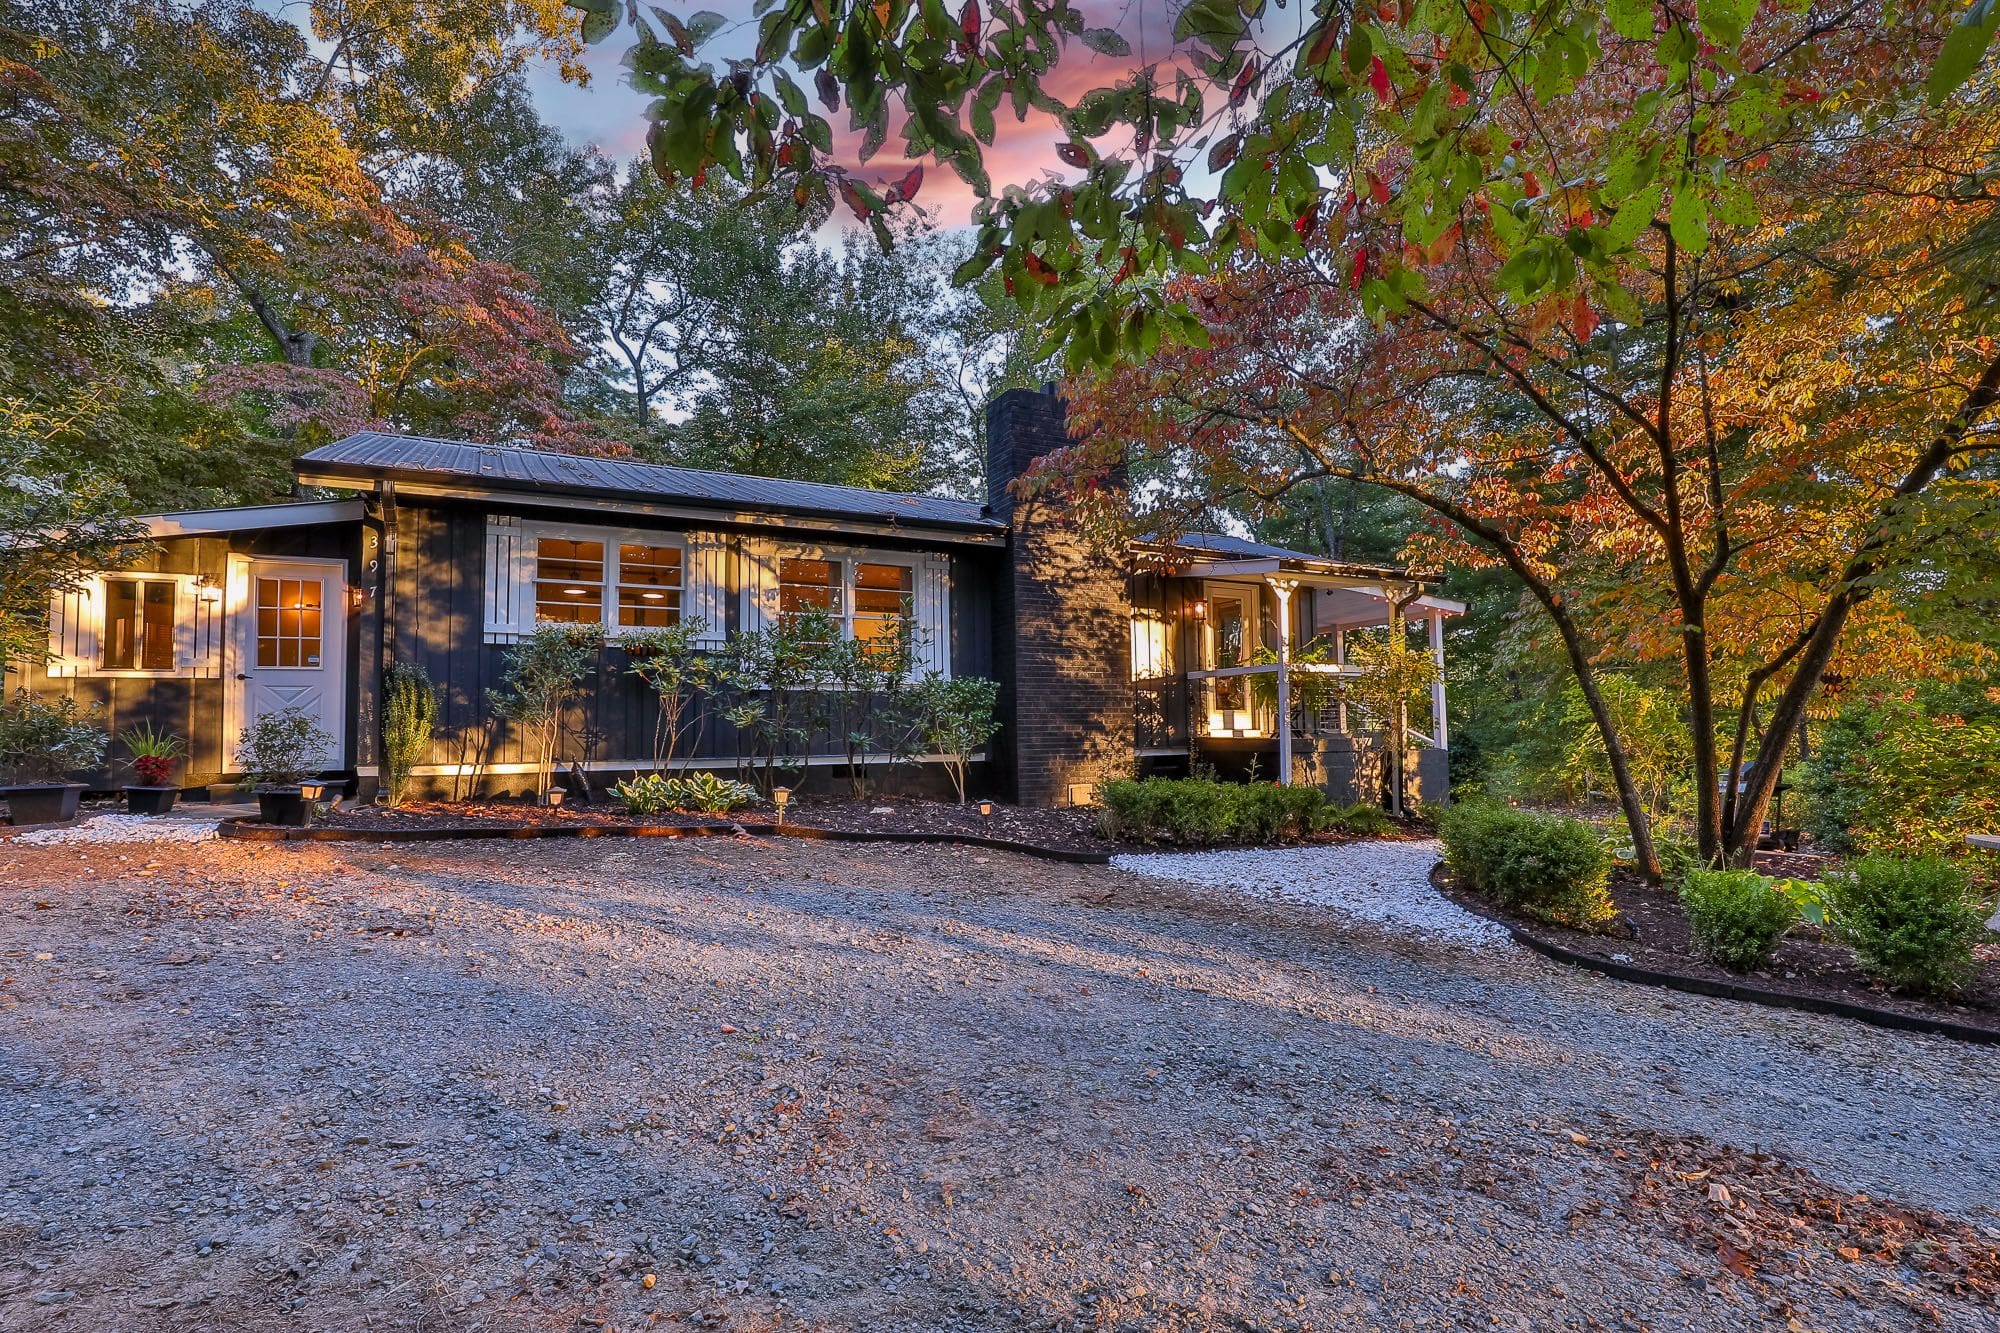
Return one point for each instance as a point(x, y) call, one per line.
point(1651, 932)
point(1072, 830)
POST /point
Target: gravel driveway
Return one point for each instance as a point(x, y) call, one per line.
point(755, 1085)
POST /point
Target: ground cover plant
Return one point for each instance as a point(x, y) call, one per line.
point(1551, 868)
point(1737, 916)
point(1910, 921)
point(651, 793)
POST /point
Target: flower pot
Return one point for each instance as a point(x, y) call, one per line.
point(287, 806)
point(42, 802)
point(151, 800)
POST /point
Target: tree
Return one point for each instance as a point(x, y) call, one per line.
point(677, 669)
point(1561, 205)
point(56, 525)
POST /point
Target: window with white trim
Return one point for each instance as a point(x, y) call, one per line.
point(569, 581)
point(140, 624)
point(649, 585)
point(868, 594)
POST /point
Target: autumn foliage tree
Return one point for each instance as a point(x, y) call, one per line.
point(1681, 312)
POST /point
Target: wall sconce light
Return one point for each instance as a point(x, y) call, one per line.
point(357, 596)
point(1199, 608)
point(207, 588)
point(781, 797)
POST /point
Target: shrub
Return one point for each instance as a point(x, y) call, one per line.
point(409, 713)
point(705, 792)
point(544, 672)
point(1736, 915)
point(1911, 773)
point(1552, 869)
point(1201, 812)
point(279, 749)
point(40, 741)
point(955, 718)
point(1910, 921)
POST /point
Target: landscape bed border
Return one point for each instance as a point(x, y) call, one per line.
point(1720, 990)
point(251, 829)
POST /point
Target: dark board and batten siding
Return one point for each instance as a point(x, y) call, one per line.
point(442, 603)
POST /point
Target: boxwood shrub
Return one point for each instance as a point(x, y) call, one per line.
point(1911, 921)
point(1548, 868)
point(1200, 812)
point(1737, 916)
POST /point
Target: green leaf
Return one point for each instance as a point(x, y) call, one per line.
point(600, 19)
point(1963, 48)
point(1105, 42)
point(1632, 19)
point(1723, 21)
point(1687, 218)
point(705, 24)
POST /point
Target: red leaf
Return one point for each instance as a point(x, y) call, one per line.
point(1735, 1260)
point(1323, 47)
point(968, 22)
point(1377, 190)
point(906, 188)
point(1306, 222)
point(829, 89)
point(1531, 185)
point(1582, 318)
point(1378, 78)
point(1359, 271)
point(1039, 271)
point(1073, 154)
point(1244, 78)
point(852, 198)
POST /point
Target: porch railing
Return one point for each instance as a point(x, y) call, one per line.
point(1303, 721)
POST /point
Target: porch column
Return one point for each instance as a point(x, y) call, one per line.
point(1284, 588)
point(1438, 737)
point(1340, 660)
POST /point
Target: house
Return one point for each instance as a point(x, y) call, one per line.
point(449, 552)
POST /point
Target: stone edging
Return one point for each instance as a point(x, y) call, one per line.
point(250, 829)
point(1728, 990)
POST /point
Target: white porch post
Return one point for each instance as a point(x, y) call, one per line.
point(1284, 589)
point(1437, 686)
point(1340, 660)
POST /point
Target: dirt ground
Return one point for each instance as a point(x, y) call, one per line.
point(746, 1085)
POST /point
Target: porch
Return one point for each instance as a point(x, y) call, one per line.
point(1229, 637)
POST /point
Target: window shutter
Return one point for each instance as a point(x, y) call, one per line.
point(760, 584)
point(706, 594)
point(510, 580)
point(73, 630)
point(933, 611)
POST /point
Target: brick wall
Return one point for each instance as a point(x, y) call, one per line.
point(1062, 624)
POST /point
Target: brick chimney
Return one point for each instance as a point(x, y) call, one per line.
point(1062, 623)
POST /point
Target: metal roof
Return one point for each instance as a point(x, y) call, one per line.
point(1223, 548)
point(371, 455)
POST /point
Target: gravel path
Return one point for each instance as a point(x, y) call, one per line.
point(1380, 882)
point(812, 1086)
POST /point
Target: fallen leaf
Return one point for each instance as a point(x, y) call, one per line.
point(1735, 1260)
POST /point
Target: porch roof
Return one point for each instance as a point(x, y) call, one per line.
point(1349, 593)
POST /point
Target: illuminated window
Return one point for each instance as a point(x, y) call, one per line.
point(138, 625)
point(808, 585)
point(883, 598)
point(288, 622)
point(569, 581)
point(1149, 646)
point(649, 586)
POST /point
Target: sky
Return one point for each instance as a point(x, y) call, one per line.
point(609, 114)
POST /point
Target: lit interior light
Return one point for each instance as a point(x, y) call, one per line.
point(572, 592)
point(652, 596)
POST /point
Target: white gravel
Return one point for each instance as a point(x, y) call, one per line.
point(123, 828)
point(1384, 883)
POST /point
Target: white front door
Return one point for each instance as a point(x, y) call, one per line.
point(287, 646)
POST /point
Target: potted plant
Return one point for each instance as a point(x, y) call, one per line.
point(279, 751)
point(153, 756)
point(41, 742)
